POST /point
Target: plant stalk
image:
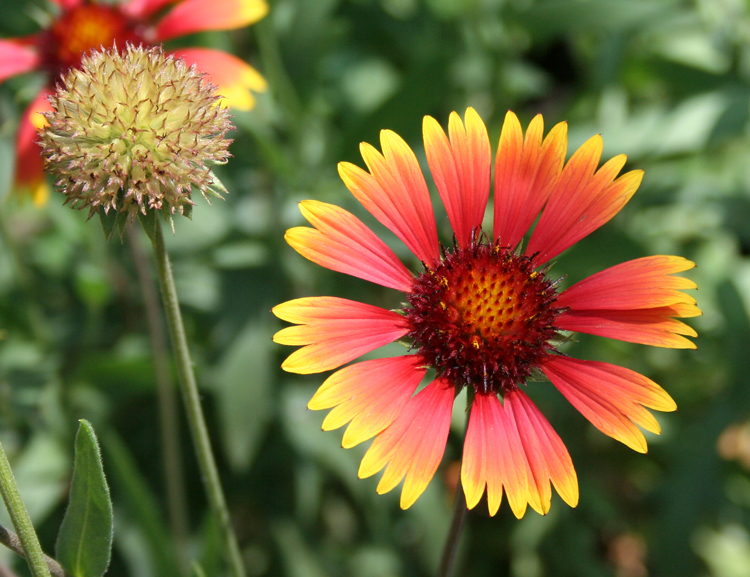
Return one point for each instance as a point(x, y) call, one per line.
point(454, 533)
point(191, 397)
point(21, 521)
point(168, 408)
point(12, 542)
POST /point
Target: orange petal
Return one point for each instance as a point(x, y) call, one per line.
point(29, 174)
point(493, 456)
point(370, 394)
point(192, 16)
point(546, 455)
point(461, 170)
point(395, 193)
point(236, 79)
point(611, 397)
point(636, 284)
point(645, 326)
point(582, 200)
point(16, 59)
point(413, 445)
point(333, 331)
point(525, 172)
point(344, 244)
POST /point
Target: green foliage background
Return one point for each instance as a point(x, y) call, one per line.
point(665, 81)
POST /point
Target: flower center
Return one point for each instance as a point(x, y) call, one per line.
point(483, 317)
point(83, 28)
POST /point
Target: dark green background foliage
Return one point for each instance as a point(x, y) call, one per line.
point(665, 81)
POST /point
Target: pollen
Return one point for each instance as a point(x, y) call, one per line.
point(483, 317)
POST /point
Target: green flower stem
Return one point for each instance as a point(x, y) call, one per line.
point(12, 542)
point(168, 403)
point(190, 395)
point(21, 521)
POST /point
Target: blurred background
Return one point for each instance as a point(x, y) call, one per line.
point(665, 81)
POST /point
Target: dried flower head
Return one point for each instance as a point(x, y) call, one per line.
point(133, 131)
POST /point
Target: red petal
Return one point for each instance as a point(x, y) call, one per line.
point(16, 59)
point(192, 16)
point(493, 456)
point(333, 331)
point(395, 193)
point(525, 172)
point(344, 244)
point(546, 455)
point(370, 394)
point(234, 78)
point(461, 170)
point(413, 445)
point(141, 9)
point(637, 284)
point(29, 173)
point(611, 397)
point(645, 326)
point(582, 200)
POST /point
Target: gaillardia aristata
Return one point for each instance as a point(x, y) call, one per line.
point(482, 313)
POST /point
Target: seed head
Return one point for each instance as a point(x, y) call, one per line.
point(135, 131)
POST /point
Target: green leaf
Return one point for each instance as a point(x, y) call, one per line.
point(84, 544)
point(109, 221)
point(149, 221)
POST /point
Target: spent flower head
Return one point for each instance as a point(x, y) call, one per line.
point(135, 131)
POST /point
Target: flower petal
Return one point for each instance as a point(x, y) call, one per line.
point(192, 16)
point(525, 172)
point(341, 242)
point(141, 9)
point(235, 78)
point(29, 173)
point(611, 397)
point(645, 326)
point(333, 331)
point(582, 200)
point(461, 170)
point(395, 192)
point(413, 445)
point(16, 59)
point(636, 284)
point(370, 394)
point(546, 455)
point(493, 456)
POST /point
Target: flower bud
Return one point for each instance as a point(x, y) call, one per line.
point(134, 131)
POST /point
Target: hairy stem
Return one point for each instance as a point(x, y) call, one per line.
point(191, 397)
point(27, 538)
point(12, 542)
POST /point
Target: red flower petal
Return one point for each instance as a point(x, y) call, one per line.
point(67, 4)
point(192, 16)
point(636, 284)
point(395, 193)
point(333, 331)
point(235, 78)
point(16, 59)
point(413, 445)
point(370, 394)
point(29, 173)
point(653, 327)
point(461, 170)
point(344, 244)
point(611, 397)
point(546, 455)
point(525, 172)
point(582, 200)
point(142, 9)
point(493, 456)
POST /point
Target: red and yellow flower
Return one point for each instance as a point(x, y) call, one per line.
point(83, 25)
point(482, 314)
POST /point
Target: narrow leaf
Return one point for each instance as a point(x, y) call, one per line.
point(84, 544)
point(149, 222)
